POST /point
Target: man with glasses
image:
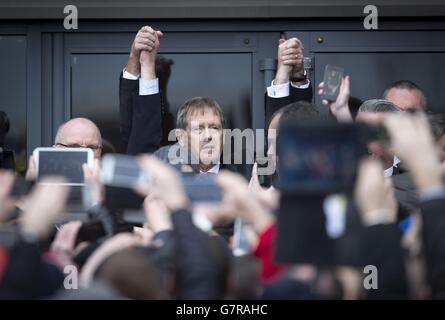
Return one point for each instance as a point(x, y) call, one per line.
point(79, 133)
point(74, 133)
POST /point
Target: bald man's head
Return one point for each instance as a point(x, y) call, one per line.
point(79, 132)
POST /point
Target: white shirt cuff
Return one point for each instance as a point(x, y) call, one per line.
point(282, 90)
point(127, 75)
point(301, 86)
point(278, 90)
point(147, 87)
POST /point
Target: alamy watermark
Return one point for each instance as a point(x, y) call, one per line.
point(371, 21)
point(71, 280)
point(71, 20)
point(371, 280)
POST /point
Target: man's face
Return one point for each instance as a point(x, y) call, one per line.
point(206, 136)
point(405, 99)
point(376, 148)
point(80, 134)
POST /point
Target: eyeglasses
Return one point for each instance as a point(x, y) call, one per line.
point(75, 145)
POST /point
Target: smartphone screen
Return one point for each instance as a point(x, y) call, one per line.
point(59, 162)
point(332, 80)
point(241, 245)
point(319, 156)
point(122, 171)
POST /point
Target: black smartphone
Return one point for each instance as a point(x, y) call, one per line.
point(123, 171)
point(65, 162)
point(319, 156)
point(332, 82)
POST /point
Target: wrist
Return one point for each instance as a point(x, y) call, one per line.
point(148, 71)
point(299, 75)
point(29, 233)
point(378, 216)
point(283, 75)
point(133, 65)
point(134, 54)
point(178, 203)
point(161, 226)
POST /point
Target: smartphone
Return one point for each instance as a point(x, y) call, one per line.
point(202, 188)
point(65, 162)
point(319, 156)
point(241, 245)
point(123, 171)
point(332, 80)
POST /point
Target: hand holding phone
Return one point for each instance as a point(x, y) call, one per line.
point(332, 80)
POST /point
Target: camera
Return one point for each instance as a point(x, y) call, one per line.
point(320, 156)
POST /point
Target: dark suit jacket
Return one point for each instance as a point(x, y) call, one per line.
point(273, 104)
point(140, 118)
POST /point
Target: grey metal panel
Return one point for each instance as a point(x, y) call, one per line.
point(58, 84)
point(47, 92)
point(171, 41)
point(279, 25)
point(13, 93)
point(267, 50)
point(378, 41)
point(228, 9)
point(34, 89)
point(13, 29)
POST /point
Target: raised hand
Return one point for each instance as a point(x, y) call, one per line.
point(146, 40)
point(290, 60)
point(166, 183)
point(374, 194)
point(44, 205)
point(413, 143)
point(340, 107)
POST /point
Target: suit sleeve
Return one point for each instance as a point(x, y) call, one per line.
point(127, 88)
point(146, 129)
point(295, 94)
point(140, 118)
